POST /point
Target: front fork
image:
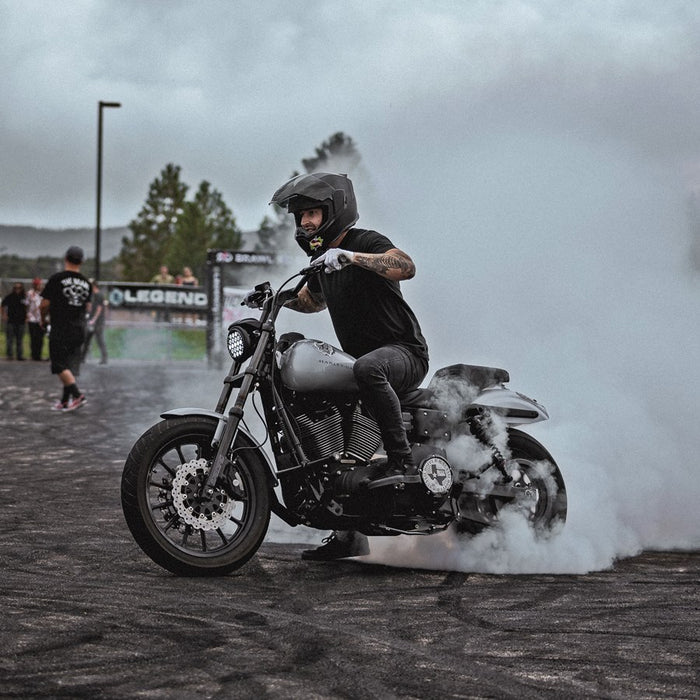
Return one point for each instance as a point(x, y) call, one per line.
point(235, 414)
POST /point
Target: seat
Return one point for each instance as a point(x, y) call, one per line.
point(476, 376)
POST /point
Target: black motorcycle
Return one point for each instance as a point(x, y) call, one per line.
point(198, 488)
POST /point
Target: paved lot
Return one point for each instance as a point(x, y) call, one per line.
point(85, 614)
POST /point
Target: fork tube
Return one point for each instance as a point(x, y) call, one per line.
point(236, 412)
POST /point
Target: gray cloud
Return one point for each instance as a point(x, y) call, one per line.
point(238, 93)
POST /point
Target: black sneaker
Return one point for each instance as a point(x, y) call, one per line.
point(354, 544)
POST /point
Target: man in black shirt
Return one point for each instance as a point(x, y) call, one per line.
point(65, 299)
point(14, 313)
point(372, 320)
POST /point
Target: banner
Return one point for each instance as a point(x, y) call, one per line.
point(157, 296)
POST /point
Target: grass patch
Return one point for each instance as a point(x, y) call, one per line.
point(149, 343)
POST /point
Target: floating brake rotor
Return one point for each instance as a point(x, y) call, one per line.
point(203, 513)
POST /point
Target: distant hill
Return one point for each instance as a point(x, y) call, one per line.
point(31, 242)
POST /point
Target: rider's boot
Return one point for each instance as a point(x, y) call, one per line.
point(399, 469)
point(339, 545)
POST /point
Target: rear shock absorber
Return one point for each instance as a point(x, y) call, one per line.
point(479, 422)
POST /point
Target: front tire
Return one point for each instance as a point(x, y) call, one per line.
point(163, 508)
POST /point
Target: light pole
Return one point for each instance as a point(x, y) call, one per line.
point(99, 182)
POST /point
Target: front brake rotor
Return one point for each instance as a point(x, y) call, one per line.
point(203, 513)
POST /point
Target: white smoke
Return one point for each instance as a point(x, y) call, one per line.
point(578, 282)
point(576, 279)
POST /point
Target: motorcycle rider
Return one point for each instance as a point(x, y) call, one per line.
point(370, 317)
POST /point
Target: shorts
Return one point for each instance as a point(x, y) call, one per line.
point(65, 353)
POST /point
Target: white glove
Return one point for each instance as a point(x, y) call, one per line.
point(335, 259)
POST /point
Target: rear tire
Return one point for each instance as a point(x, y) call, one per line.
point(544, 494)
point(177, 529)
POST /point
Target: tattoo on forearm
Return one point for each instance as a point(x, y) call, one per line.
point(306, 303)
point(382, 264)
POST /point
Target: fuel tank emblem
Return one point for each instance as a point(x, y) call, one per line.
point(324, 348)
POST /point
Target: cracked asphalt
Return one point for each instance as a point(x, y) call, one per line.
point(86, 614)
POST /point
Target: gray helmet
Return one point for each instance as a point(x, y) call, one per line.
point(331, 193)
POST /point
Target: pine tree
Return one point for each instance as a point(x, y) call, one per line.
point(206, 222)
point(153, 230)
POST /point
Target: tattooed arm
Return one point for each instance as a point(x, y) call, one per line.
point(394, 264)
point(306, 302)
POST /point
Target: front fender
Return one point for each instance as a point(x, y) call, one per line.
point(249, 441)
point(515, 408)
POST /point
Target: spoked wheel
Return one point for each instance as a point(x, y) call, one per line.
point(168, 514)
point(537, 482)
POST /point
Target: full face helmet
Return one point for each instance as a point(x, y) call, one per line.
point(331, 193)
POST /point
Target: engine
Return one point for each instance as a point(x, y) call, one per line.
point(326, 427)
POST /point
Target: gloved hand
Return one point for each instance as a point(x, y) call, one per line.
point(335, 259)
point(254, 299)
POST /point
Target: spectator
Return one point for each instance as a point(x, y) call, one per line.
point(188, 279)
point(96, 323)
point(163, 277)
point(14, 314)
point(36, 331)
point(65, 298)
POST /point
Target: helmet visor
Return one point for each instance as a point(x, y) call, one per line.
point(308, 187)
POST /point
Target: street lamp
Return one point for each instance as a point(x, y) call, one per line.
point(99, 182)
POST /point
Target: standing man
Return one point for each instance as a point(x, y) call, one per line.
point(14, 314)
point(65, 299)
point(371, 319)
point(96, 324)
point(36, 330)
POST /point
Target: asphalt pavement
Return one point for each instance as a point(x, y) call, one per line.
point(86, 614)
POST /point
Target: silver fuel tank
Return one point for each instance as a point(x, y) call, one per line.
point(312, 365)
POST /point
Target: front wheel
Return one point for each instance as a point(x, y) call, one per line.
point(173, 523)
point(537, 481)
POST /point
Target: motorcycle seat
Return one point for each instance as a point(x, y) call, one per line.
point(475, 376)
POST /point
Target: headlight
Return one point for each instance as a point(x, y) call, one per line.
point(238, 343)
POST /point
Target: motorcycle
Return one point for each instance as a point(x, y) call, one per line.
point(198, 488)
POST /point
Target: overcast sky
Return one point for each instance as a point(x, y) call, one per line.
point(237, 92)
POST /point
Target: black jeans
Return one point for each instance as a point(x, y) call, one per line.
point(14, 335)
point(382, 376)
point(36, 339)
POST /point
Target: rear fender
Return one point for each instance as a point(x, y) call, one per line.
point(249, 442)
point(515, 408)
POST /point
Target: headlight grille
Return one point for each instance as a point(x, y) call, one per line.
point(238, 343)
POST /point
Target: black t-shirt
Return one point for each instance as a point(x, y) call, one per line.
point(69, 293)
point(367, 310)
point(16, 305)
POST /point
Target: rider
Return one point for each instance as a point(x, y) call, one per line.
point(371, 319)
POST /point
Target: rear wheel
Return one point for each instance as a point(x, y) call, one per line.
point(538, 485)
point(175, 525)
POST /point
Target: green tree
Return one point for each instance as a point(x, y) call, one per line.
point(153, 230)
point(205, 222)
